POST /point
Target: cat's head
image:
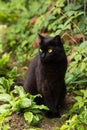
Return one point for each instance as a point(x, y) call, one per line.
point(50, 49)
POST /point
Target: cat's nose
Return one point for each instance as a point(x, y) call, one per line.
point(43, 55)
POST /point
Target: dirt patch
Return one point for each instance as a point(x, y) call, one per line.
point(17, 121)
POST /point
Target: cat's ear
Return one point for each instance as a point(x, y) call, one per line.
point(41, 37)
point(58, 40)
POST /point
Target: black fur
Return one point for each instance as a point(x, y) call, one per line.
point(46, 73)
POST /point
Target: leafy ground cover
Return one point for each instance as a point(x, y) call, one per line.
point(21, 112)
point(20, 24)
point(45, 123)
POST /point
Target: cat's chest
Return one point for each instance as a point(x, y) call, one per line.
point(47, 80)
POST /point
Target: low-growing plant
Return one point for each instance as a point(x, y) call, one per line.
point(8, 79)
point(22, 101)
point(4, 122)
point(78, 113)
point(4, 59)
point(76, 76)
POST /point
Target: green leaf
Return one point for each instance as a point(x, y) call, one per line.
point(69, 78)
point(82, 66)
point(78, 93)
point(4, 60)
point(25, 103)
point(28, 117)
point(13, 73)
point(2, 90)
point(19, 90)
point(5, 97)
point(83, 45)
point(36, 119)
point(64, 127)
point(5, 108)
point(73, 55)
point(78, 98)
point(5, 83)
point(6, 127)
point(78, 57)
point(37, 95)
point(85, 93)
point(35, 129)
point(41, 107)
point(81, 127)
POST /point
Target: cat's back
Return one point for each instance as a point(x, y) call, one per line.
point(33, 63)
point(30, 80)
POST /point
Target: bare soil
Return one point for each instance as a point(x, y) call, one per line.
point(17, 121)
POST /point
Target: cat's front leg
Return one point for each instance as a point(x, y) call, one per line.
point(51, 114)
point(52, 105)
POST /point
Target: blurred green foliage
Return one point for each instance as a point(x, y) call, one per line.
point(22, 21)
point(76, 76)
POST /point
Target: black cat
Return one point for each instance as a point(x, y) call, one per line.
point(46, 73)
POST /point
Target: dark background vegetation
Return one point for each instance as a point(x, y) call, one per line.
point(21, 22)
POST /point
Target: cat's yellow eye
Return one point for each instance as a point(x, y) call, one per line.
point(41, 50)
point(50, 50)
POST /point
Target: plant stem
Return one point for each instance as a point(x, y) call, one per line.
point(72, 23)
point(67, 2)
point(85, 6)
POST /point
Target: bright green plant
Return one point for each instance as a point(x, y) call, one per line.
point(76, 76)
point(4, 122)
point(4, 60)
point(63, 17)
point(78, 113)
point(22, 100)
point(6, 83)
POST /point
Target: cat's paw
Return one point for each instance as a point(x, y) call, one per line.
point(50, 114)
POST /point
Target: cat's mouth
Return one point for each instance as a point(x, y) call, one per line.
point(47, 60)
